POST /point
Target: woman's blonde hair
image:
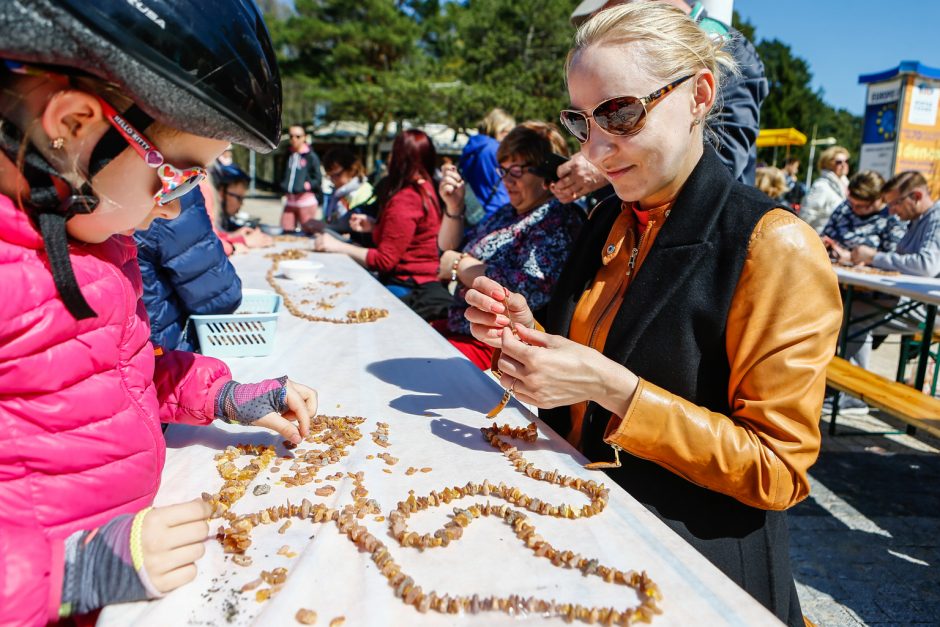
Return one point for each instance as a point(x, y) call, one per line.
point(495, 122)
point(771, 181)
point(828, 156)
point(672, 44)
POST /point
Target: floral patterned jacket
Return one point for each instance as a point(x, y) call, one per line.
point(524, 252)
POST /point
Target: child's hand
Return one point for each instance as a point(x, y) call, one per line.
point(301, 407)
point(272, 403)
point(172, 539)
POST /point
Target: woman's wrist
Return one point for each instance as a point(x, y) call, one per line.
point(457, 215)
point(455, 267)
point(616, 386)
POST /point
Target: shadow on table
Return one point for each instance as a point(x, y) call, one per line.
point(426, 377)
point(886, 571)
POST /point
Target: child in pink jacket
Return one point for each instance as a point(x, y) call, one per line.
point(106, 114)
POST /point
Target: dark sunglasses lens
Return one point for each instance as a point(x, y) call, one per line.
point(576, 123)
point(620, 116)
point(182, 189)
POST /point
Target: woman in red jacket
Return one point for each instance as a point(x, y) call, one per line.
point(405, 233)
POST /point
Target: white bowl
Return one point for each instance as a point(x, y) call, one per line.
point(300, 269)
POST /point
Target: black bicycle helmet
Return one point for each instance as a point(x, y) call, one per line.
point(206, 67)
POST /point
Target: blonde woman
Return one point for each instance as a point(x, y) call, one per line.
point(678, 350)
point(772, 181)
point(829, 190)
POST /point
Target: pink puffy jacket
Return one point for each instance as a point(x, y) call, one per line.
point(80, 407)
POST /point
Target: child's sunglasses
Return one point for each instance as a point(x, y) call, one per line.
point(623, 115)
point(176, 182)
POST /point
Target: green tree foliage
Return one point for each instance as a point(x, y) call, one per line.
point(378, 61)
point(792, 102)
point(360, 59)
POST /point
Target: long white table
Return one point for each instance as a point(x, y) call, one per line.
point(399, 371)
point(916, 288)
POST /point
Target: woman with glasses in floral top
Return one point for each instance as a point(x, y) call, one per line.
point(524, 243)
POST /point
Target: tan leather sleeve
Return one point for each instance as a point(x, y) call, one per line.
point(781, 333)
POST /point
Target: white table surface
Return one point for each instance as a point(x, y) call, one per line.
point(399, 371)
point(923, 289)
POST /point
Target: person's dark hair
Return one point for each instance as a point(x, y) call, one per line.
point(792, 160)
point(905, 183)
point(413, 157)
point(532, 142)
point(345, 159)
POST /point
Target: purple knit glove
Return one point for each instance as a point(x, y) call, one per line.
point(244, 403)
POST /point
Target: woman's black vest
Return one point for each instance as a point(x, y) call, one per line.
point(671, 332)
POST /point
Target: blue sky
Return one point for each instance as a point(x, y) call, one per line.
point(842, 39)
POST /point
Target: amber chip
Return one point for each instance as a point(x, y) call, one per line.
point(306, 617)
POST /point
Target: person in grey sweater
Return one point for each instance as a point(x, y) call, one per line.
point(908, 197)
point(918, 253)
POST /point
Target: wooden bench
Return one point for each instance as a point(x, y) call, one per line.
point(902, 401)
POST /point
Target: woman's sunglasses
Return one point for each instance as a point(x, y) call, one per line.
point(175, 182)
point(623, 115)
point(516, 171)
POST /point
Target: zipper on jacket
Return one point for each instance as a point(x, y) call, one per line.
point(630, 267)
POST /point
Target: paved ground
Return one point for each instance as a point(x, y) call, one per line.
point(866, 544)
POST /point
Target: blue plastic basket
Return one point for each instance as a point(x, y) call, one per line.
point(249, 332)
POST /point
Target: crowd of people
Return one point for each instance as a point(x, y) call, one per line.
point(633, 290)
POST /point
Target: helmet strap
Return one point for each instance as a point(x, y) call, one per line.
point(51, 202)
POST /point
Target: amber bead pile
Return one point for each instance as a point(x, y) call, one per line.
point(353, 316)
point(340, 432)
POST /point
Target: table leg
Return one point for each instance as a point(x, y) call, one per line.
point(846, 318)
point(924, 356)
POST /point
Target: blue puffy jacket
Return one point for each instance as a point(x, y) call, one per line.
point(185, 272)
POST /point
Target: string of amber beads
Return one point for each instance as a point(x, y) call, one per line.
point(404, 587)
point(353, 316)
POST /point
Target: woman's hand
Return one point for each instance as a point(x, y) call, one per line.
point(452, 189)
point(837, 253)
point(361, 223)
point(173, 538)
point(323, 243)
point(577, 177)
point(551, 371)
point(863, 255)
point(491, 308)
point(256, 238)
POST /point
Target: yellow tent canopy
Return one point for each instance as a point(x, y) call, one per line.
point(780, 137)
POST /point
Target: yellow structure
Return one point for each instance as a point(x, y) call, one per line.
point(769, 137)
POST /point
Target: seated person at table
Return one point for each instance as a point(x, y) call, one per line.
point(405, 233)
point(687, 338)
point(524, 243)
point(231, 187)
point(185, 271)
point(351, 188)
point(918, 253)
point(83, 393)
point(862, 220)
